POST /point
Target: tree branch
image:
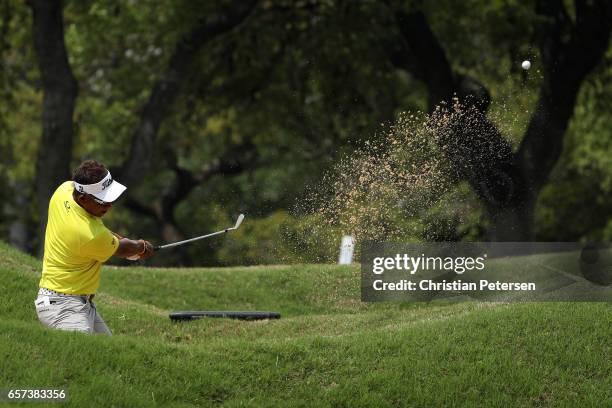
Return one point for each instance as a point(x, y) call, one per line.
point(168, 87)
point(234, 161)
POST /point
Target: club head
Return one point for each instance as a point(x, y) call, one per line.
point(239, 221)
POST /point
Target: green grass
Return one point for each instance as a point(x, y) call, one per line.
point(329, 349)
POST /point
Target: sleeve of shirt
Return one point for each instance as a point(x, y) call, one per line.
point(100, 247)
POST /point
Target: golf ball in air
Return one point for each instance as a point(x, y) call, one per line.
point(526, 65)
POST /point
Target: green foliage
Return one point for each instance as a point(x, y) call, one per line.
point(577, 203)
point(280, 238)
point(19, 128)
point(304, 83)
point(117, 50)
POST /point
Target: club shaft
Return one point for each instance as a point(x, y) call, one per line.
point(193, 239)
point(238, 222)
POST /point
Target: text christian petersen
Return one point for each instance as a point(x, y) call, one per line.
point(459, 265)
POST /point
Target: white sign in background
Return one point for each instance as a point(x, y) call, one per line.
point(347, 247)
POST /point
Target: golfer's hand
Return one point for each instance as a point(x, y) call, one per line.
point(149, 250)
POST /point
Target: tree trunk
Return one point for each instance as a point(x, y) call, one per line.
point(60, 90)
point(512, 223)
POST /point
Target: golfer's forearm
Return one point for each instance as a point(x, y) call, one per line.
point(129, 247)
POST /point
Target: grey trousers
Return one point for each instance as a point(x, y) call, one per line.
point(74, 313)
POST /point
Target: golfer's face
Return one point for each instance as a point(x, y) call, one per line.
point(95, 207)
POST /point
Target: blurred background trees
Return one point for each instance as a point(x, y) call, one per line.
point(206, 109)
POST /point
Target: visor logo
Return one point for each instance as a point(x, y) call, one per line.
point(107, 183)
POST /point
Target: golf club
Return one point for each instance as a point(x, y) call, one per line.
point(235, 227)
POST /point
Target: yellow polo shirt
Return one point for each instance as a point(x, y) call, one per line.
point(76, 245)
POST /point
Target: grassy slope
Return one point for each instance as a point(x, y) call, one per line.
point(328, 349)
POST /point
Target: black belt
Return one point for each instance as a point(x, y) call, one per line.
point(50, 292)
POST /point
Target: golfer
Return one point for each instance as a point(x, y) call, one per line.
point(76, 245)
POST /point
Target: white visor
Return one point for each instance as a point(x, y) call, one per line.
point(107, 189)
